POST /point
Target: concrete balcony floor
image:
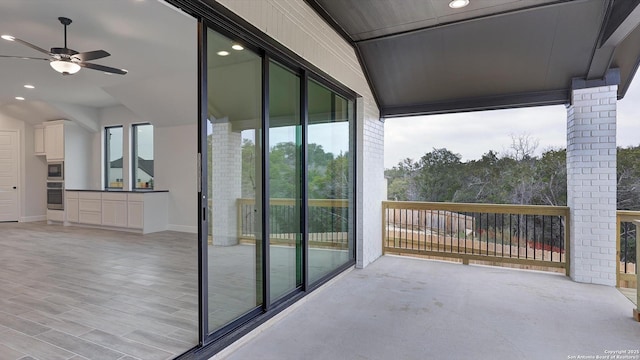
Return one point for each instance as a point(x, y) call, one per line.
point(404, 308)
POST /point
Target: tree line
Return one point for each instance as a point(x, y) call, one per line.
point(515, 176)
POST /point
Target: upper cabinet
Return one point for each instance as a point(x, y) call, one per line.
point(64, 140)
point(38, 136)
point(54, 141)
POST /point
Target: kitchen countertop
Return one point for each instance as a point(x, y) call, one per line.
point(120, 191)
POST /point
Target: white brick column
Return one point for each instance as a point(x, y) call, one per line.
point(370, 183)
point(591, 183)
point(226, 184)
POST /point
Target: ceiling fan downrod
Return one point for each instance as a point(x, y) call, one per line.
point(65, 21)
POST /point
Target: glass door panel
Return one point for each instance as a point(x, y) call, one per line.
point(233, 179)
point(285, 152)
point(330, 178)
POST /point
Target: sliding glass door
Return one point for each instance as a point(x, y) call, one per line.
point(285, 182)
point(279, 183)
point(234, 185)
point(330, 179)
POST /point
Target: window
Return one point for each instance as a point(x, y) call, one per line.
point(142, 156)
point(113, 157)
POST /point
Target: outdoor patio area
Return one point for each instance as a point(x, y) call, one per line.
point(406, 308)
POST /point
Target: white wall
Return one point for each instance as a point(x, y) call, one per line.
point(32, 174)
point(295, 25)
point(175, 169)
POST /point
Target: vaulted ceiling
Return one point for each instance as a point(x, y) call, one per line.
point(156, 43)
point(424, 57)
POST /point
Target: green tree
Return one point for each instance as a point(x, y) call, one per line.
point(401, 181)
point(439, 175)
point(628, 178)
point(551, 172)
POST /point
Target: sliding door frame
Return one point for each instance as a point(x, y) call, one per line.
point(214, 16)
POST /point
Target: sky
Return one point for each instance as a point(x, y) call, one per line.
point(473, 134)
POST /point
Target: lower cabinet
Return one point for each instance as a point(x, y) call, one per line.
point(114, 210)
point(145, 212)
point(135, 214)
point(71, 206)
point(90, 208)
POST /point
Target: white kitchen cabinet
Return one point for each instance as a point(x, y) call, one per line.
point(38, 138)
point(144, 212)
point(54, 141)
point(135, 213)
point(114, 209)
point(90, 208)
point(71, 206)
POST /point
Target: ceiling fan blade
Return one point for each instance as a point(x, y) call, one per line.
point(91, 55)
point(106, 69)
point(22, 57)
point(34, 47)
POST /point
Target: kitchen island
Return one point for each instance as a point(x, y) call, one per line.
point(142, 211)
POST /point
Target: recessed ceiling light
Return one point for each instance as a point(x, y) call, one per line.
point(19, 98)
point(237, 47)
point(457, 4)
point(29, 86)
point(223, 53)
point(8, 37)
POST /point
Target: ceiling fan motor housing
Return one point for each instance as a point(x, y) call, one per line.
point(63, 51)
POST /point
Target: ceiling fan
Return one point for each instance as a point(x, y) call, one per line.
point(64, 60)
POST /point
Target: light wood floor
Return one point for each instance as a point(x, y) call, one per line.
point(75, 293)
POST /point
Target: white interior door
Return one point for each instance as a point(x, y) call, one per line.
point(8, 175)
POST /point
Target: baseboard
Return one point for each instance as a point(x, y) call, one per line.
point(183, 228)
point(32, 218)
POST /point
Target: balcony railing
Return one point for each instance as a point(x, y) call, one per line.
point(500, 234)
point(514, 234)
point(328, 222)
point(626, 248)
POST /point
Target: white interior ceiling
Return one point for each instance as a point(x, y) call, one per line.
point(156, 43)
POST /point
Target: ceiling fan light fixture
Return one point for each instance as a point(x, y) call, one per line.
point(8, 37)
point(458, 4)
point(65, 67)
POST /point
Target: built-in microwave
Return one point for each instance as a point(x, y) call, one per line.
point(55, 171)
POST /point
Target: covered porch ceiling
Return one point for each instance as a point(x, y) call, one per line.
point(423, 57)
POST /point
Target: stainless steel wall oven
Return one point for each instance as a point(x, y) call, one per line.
point(55, 195)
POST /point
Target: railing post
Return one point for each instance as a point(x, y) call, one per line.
point(567, 242)
point(618, 240)
point(636, 311)
point(384, 225)
point(239, 205)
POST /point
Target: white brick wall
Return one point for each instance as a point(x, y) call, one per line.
point(295, 25)
point(591, 184)
point(226, 152)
